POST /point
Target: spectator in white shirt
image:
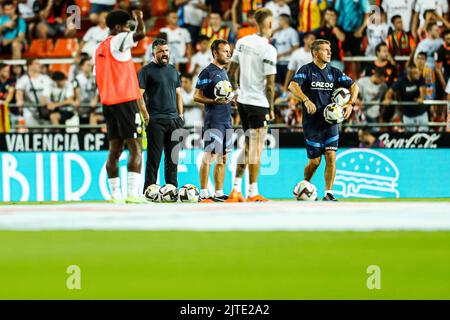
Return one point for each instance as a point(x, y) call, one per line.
point(377, 32)
point(193, 114)
point(285, 41)
point(299, 58)
point(403, 8)
point(94, 35)
point(179, 40)
point(431, 43)
point(29, 91)
point(86, 94)
point(201, 59)
point(440, 7)
point(59, 99)
point(192, 14)
point(278, 7)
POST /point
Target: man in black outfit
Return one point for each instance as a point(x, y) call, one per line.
point(161, 86)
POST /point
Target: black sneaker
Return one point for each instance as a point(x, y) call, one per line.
point(206, 199)
point(221, 198)
point(329, 197)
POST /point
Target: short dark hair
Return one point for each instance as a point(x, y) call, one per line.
point(187, 76)
point(216, 43)
point(379, 46)
point(395, 17)
point(250, 12)
point(84, 60)
point(58, 76)
point(202, 37)
point(380, 72)
point(445, 33)
point(428, 11)
point(158, 42)
point(331, 9)
point(423, 54)
point(7, 3)
point(216, 12)
point(286, 16)
point(2, 65)
point(30, 61)
point(308, 33)
point(117, 17)
point(430, 26)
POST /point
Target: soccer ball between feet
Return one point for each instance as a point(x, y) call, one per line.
point(189, 193)
point(168, 193)
point(305, 190)
point(152, 192)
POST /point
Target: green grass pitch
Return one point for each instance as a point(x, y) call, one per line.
point(224, 265)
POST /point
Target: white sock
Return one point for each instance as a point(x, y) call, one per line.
point(204, 193)
point(237, 185)
point(328, 191)
point(253, 191)
point(219, 193)
point(133, 184)
point(114, 186)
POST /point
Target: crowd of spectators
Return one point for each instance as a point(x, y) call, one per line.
point(415, 30)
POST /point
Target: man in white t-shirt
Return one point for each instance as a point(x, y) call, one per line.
point(201, 59)
point(179, 40)
point(256, 60)
point(94, 35)
point(440, 7)
point(286, 41)
point(278, 7)
point(86, 94)
point(29, 91)
point(193, 114)
point(403, 8)
point(299, 58)
point(59, 99)
point(192, 14)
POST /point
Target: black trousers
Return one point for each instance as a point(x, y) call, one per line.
point(159, 137)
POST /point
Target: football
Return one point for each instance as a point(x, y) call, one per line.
point(223, 90)
point(189, 193)
point(333, 113)
point(341, 96)
point(305, 190)
point(168, 193)
point(152, 192)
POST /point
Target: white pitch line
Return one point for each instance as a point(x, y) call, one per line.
point(287, 216)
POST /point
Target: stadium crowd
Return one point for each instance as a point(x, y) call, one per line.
point(418, 31)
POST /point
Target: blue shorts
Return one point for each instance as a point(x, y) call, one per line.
point(218, 137)
point(320, 139)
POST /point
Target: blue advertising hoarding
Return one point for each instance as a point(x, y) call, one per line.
point(366, 173)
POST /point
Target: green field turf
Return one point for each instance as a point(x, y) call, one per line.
point(224, 265)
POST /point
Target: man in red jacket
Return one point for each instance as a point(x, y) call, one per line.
point(122, 100)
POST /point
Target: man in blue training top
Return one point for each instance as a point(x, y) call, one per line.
point(218, 132)
point(313, 85)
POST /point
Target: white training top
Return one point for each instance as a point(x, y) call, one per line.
point(299, 58)
point(257, 58)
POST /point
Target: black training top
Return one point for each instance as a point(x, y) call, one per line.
point(160, 84)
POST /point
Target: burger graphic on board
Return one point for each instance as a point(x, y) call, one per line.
point(366, 174)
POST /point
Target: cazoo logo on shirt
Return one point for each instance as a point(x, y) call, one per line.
point(319, 85)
